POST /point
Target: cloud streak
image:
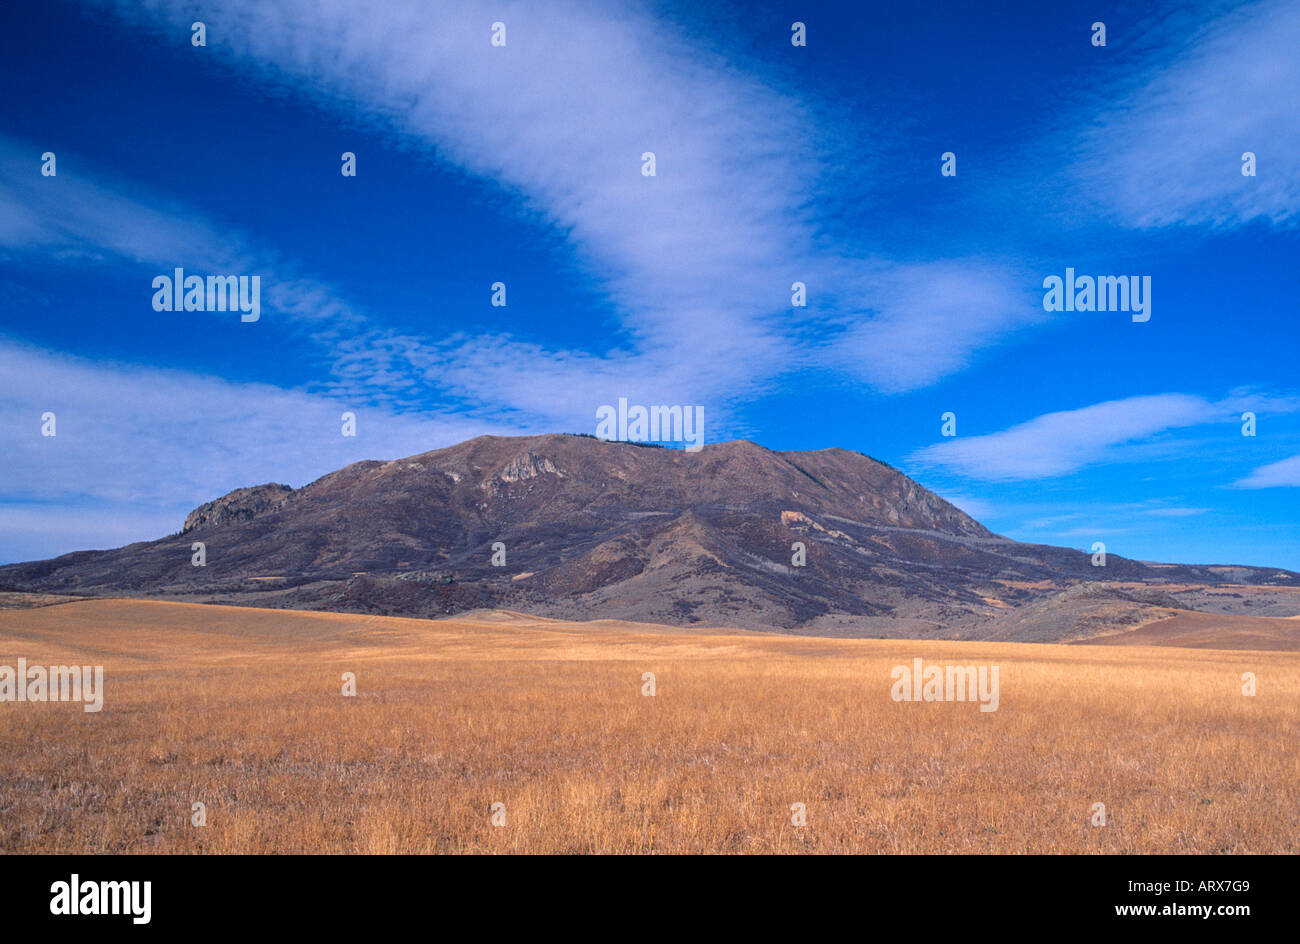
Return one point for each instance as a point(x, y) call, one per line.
point(1282, 474)
point(1169, 151)
point(80, 214)
point(697, 260)
point(141, 445)
point(1060, 443)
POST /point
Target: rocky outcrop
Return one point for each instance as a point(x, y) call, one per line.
point(243, 504)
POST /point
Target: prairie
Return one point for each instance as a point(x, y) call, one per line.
point(242, 710)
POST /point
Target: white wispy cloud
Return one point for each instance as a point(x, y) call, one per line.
point(1166, 146)
point(1176, 512)
point(1063, 442)
point(1281, 474)
point(697, 260)
point(1102, 511)
point(929, 320)
point(135, 446)
point(86, 214)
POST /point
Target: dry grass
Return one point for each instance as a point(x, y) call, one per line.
point(1192, 630)
point(241, 709)
point(13, 600)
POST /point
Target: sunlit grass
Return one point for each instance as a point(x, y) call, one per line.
point(241, 710)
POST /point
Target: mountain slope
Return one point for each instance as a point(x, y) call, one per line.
point(595, 529)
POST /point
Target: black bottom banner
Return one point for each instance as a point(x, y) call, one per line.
point(298, 893)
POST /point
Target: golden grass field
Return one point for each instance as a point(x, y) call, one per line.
point(242, 710)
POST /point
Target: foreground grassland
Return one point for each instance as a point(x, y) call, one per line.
point(242, 710)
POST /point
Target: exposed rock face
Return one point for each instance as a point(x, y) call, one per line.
point(243, 504)
point(594, 529)
point(527, 466)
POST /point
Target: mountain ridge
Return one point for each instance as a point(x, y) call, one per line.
point(572, 527)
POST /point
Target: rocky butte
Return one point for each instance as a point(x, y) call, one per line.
point(586, 529)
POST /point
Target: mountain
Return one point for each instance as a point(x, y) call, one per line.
point(594, 529)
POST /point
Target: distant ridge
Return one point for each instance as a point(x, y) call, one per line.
point(594, 529)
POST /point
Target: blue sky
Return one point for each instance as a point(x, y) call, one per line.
point(775, 163)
